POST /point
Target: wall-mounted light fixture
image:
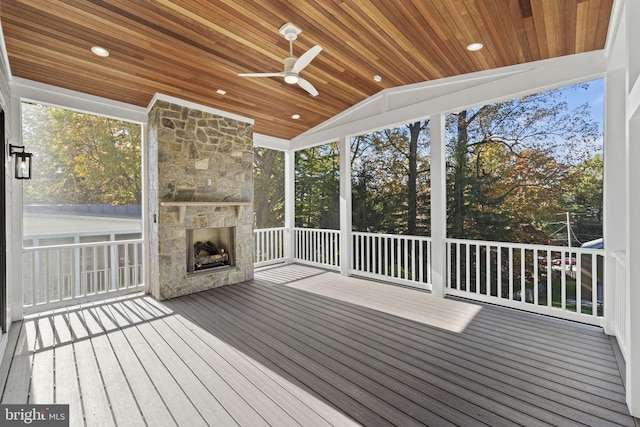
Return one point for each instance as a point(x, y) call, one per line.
point(22, 161)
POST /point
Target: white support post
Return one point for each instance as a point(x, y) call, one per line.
point(14, 224)
point(633, 205)
point(633, 269)
point(614, 224)
point(345, 206)
point(112, 271)
point(438, 206)
point(289, 204)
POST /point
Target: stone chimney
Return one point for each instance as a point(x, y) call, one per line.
point(200, 177)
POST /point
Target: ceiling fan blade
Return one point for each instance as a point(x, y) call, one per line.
point(307, 86)
point(280, 74)
point(306, 58)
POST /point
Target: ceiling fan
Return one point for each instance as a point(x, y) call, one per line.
point(293, 65)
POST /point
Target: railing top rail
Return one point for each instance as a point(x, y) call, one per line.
point(407, 236)
point(527, 246)
point(318, 230)
point(81, 245)
point(257, 230)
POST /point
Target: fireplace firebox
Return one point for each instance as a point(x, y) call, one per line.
point(210, 249)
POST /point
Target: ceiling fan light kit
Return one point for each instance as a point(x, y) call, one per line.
point(293, 65)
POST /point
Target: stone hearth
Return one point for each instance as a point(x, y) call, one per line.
point(200, 177)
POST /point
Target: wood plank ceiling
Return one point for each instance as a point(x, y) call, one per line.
point(191, 48)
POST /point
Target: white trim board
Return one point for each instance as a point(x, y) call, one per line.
point(395, 106)
point(79, 101)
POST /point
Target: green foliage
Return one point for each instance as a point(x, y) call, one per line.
point(318, 187)
point(583, 196)
point(268, 188)
point(390, 180)
point(509, 163)
point(512, 167)
point(81, 158)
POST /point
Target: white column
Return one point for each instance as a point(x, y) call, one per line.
point(633, 205)
point(615, 189)
point(345, 206)
point(633, 268)
point(438, 206)
point(14, 225)
point(289, 204)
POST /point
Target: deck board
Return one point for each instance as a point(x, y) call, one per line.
point(183, 365)
point(43, 363)
point(477, 381)
point(66, 376)
point(297, 346)
point(178, 403)
point(123, 403)
point(17, 385)
point(321, 355)
point(306, 410)
point(149, 401)
point(408, 338)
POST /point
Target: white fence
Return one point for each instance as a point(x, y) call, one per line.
point(621, 303)
point(61, 275)
point(317, 247)
point(269, 246)
point(559, 281)
point(398, 258)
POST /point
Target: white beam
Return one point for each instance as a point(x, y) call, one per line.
point(402, 105)
point(270, 142)
point(78, 101)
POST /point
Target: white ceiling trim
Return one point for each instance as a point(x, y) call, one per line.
point(404, 104)
point(266, 141)
point(78, 101)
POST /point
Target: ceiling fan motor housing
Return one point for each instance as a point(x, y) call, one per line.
point(289, 76)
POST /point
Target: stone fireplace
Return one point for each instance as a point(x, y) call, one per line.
point(200, 199)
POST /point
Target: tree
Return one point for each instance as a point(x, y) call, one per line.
point(507, 161)
point(318, 187)
point(391, 180)
point(583, 196)
point(81, 158)
point(268, 188)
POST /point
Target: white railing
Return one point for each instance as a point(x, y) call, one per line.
point(317, 247)
point(621, 302)
point(559, 281)
point(269, 246)
point(397, 258)
point(61, 275)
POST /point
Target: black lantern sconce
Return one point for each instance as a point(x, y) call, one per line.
point(22, 161)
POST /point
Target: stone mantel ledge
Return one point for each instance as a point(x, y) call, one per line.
point(182, 206)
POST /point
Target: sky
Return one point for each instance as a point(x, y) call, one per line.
point(594, 95)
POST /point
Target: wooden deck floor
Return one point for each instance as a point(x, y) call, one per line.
point(293, 348)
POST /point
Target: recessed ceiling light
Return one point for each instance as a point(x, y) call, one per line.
point(475, 46)
point(377, 78)
point(100, 51)
point(295, 116)
point(221, 92)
